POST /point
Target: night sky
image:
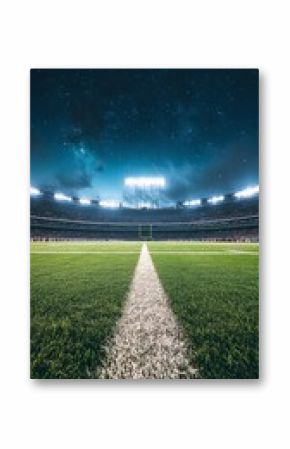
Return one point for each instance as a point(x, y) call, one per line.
point(92, 128)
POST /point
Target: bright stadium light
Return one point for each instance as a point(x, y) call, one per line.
point(128, 205)
point(144, 205)
point(145, 181)
point(62, 197)
point(248, 192)
point(109, 203)
point(85, 201)
point(216, 199)
point(34, 191)
point(192, 203)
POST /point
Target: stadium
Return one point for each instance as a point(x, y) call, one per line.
point(144, 224)
point(224, 226)
point(229, 217)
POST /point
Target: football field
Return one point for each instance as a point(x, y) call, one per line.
point(79, 297)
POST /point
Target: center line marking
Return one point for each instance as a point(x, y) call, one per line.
point(148, 343)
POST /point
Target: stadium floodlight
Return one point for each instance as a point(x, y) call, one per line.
point(34, 191)
point(144, 205)
point(62, 197)
point(248, 192)
point(109, 203)
point(85, 201)
point(192, 203)
point(145, 181)
point(216, 199)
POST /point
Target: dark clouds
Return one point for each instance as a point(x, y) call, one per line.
point(78, 168)
point(91, 128)
point(77, 179)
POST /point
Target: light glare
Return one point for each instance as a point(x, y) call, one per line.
point(84, 201)
point(34, 191)
point(216, 199)
point(144, 205)
point(61, 197)
point(192, 203)
point(248, 192)
point(145, 181)
point(109, 203)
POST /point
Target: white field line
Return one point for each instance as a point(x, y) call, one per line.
point(84, 252)
point(188, 253)
point(148, 342)
point(242, 251)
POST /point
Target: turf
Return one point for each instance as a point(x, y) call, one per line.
point(82, 246)
point(76, 300)
point(201, 246)
point(216, 302)
point(75, 303)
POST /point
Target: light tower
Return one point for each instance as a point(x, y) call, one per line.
point(143, 191)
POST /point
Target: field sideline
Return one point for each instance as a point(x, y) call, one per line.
point(79, 290)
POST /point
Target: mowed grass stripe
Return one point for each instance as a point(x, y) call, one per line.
point(189, 246)
point(216, 302)
point(206, 253)
point(75, 303)
point(96, 246)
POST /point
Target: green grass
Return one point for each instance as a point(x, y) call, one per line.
point(76, 300)
point(202, 246)
point(81, 246)
point(215, 299)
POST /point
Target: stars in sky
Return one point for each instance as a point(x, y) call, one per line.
point(144, 121)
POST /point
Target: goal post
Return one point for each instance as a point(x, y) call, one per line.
point(145, 231)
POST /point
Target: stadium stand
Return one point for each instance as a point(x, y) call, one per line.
point(233, 219)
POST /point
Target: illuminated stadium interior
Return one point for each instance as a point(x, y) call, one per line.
point(232, 216)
